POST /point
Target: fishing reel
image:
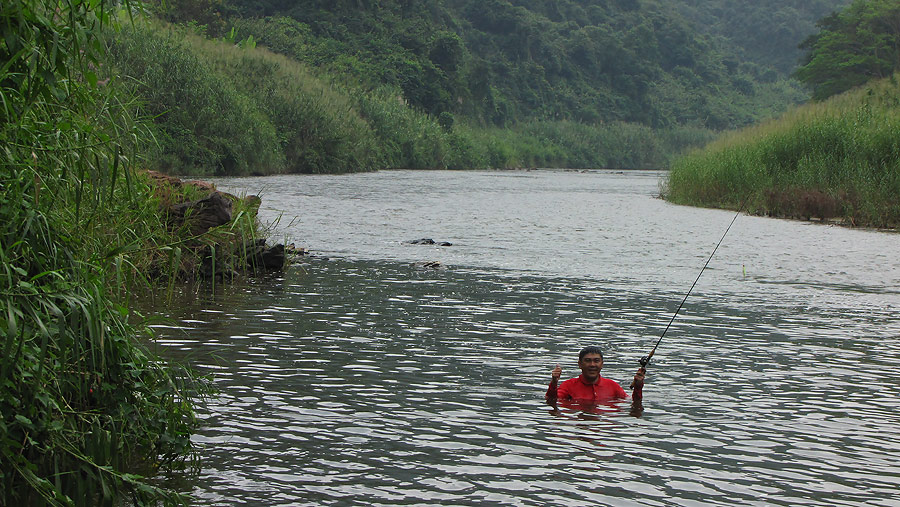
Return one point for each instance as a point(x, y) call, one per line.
point(644, 362)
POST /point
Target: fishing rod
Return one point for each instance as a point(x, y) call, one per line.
point(646, 359)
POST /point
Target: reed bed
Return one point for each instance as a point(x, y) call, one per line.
point(83, 403)
point(834, 160)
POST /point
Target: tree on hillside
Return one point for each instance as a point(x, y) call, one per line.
point(854, 46)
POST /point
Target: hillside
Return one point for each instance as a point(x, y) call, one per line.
point(763, 33)
point(501, 62)
point(449, 83)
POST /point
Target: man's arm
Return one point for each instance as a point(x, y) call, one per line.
point(637, 386)
point(554, 383)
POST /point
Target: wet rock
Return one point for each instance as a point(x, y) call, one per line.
point(202, 214)
point(429, 241)
point(273, 257)
point(429, 264)
point(268, 257)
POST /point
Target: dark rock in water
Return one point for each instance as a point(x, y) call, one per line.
point(273, 257)
point(429, 241)
point(203, 214)
point(268, 257)
point(428, 264)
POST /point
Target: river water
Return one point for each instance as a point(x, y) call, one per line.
point(363, 377)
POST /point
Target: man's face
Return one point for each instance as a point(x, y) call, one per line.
point(590, 365)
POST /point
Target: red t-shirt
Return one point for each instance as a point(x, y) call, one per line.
point(579, 390)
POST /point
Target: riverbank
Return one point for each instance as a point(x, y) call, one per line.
point(83, 231)
point(836, 161)
point(83, 400)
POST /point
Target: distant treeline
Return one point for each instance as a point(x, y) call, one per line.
point(764, 32)
point(360, 85)
point(228, 107)
point(502, 62)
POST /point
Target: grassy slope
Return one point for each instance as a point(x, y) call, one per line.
point(838, 159)
point(219, 108)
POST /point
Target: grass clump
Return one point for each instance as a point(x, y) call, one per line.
point(834, 160)
point(204, 124)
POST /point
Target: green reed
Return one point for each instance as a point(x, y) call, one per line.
point(839, 159)
point(83, 402)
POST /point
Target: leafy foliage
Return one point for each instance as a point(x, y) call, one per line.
point(854, 46)
point(81, 399)
point(762, 35)
point(501, 62)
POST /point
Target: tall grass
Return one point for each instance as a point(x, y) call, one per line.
point(237, 109)
point(204, 124)
point(318, 127)
point(82, 400)
point(835, 159)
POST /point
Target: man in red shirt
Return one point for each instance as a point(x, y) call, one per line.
point(590, 387)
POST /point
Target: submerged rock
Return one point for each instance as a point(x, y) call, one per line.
point(429, 241)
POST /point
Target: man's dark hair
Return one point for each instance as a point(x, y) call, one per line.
point(590, 349)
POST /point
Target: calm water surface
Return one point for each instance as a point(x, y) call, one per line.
point(360, 377)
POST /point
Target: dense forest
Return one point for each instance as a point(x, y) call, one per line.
point(657, 63)
point(765, 32)
point(364, 85)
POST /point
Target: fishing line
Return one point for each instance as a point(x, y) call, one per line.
point(646, 359)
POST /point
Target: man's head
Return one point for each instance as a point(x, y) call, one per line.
point(590, 360)
point(590, 349)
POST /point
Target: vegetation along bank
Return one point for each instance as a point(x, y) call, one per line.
point(837, 159)
point(83, 230)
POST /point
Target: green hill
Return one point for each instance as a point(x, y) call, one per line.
point(502, 62)
point(452, 83)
